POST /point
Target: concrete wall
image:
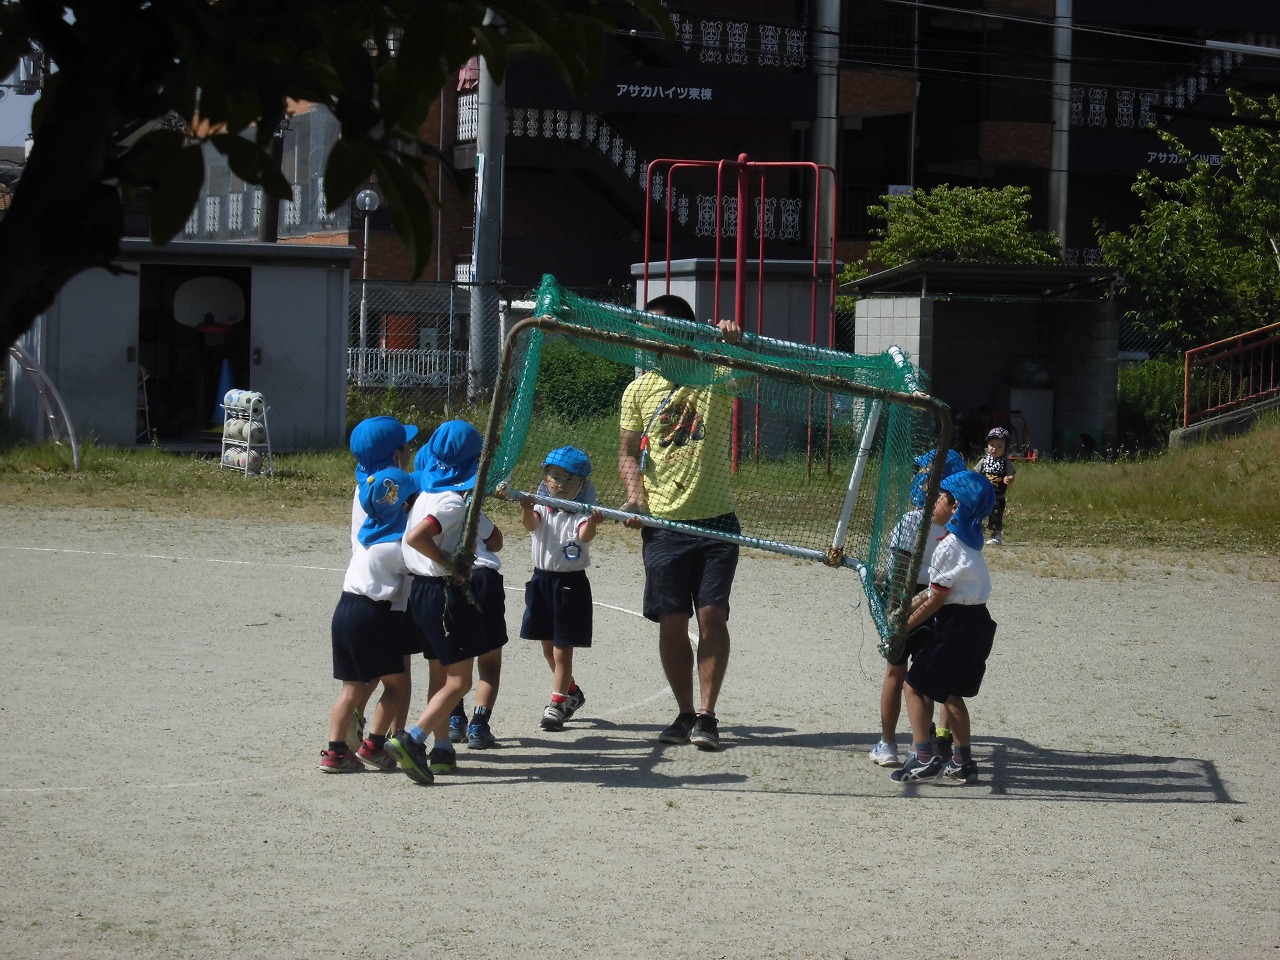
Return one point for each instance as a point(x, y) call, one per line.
point(970, 352)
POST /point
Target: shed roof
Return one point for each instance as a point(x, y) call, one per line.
point(926, 278)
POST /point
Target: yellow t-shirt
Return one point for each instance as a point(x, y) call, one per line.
point(687, 473)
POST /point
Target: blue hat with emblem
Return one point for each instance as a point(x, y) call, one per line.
point(384, 497)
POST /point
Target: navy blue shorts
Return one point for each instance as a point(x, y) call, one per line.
point(486, 584)
point(452, 628)
point(917, 638)
point(368, 639)
point(683, 573)
point(953, 663)
point(557, 607)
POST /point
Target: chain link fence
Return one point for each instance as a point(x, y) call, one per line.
point(417, 338)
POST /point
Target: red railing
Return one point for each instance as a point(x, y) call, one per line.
point(1231, 373)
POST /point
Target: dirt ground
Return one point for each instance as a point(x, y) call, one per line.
point(167, 691)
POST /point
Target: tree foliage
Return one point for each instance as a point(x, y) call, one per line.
point(227, 72)
point(955, 225)
point(1202, 262)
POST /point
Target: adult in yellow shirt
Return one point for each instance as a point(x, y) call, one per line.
point(674, 462)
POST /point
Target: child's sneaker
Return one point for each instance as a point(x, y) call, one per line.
point(913, 771)
point(339, 761)
point(942, 746)
point(479, 737)
point(376, 758)
point(355, 730)
point(553, 716)
point(960, 772)
point(885, 755)
point(442, 761)
point(995, 540)
point(411, 756)
point(576, 699)
point(457, 727)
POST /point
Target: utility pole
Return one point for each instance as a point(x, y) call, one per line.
point(1059, 144)
point(826, 121)
point(486, 255)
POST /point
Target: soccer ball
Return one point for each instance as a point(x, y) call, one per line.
point(253, 432)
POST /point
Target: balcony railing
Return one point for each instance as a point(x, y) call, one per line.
point(373, 366)
point(468, 116)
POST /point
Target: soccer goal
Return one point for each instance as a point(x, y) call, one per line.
point(817, 445)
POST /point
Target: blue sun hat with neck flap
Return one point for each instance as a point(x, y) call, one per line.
point(374, 440)
point(955, 463)
point(449, 460)
point(974, 499)
point(384, 496)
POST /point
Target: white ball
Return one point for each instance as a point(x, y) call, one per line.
point(229, 457)
point(254, 432)
point(231, 429)
point(254, 461)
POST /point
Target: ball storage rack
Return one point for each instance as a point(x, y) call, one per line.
point(246, 437)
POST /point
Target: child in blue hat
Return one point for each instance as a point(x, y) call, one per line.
point(950, 667)
point(557, 600)
point(377, 443)
point(455, 630)
point(902, 542)
point(367, 628)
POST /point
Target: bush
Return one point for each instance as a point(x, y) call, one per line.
point(1149, 404)
point(574, 386)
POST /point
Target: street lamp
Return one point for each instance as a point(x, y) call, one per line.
point(367, 201)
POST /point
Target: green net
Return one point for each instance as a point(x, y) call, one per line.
point(812, 449)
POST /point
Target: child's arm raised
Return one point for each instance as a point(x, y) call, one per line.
point(529, 518)
point(588, 527)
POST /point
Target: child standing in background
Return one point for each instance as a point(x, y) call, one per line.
point(557, 600)
point(998, 468)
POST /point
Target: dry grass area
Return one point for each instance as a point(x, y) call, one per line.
point(1215, 504)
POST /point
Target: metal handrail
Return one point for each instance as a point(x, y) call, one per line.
point(1231, 373)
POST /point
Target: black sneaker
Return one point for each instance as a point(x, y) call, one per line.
point(706, 733)
point(576, 699)
point(943, 746)
point(553, 716)
point(913, 771)
point(680, 729)
point(411, 756)
point(442, 761)
point(960, 772)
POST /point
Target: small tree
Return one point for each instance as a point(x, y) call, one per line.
point(955, 225)
point(1202, 262)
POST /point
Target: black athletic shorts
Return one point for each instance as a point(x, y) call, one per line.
point(368, 639)
point(557, 607)
point(486, 584)
point(683, 572)
point(953, 663)
point(452, 627)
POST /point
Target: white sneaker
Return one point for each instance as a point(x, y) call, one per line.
point(994, 540)
point(885, 755)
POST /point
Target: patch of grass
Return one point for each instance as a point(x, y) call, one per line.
point(1219, 496)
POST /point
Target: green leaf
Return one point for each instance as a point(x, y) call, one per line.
point(347, 169)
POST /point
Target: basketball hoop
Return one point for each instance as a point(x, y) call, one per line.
point(215, 334)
